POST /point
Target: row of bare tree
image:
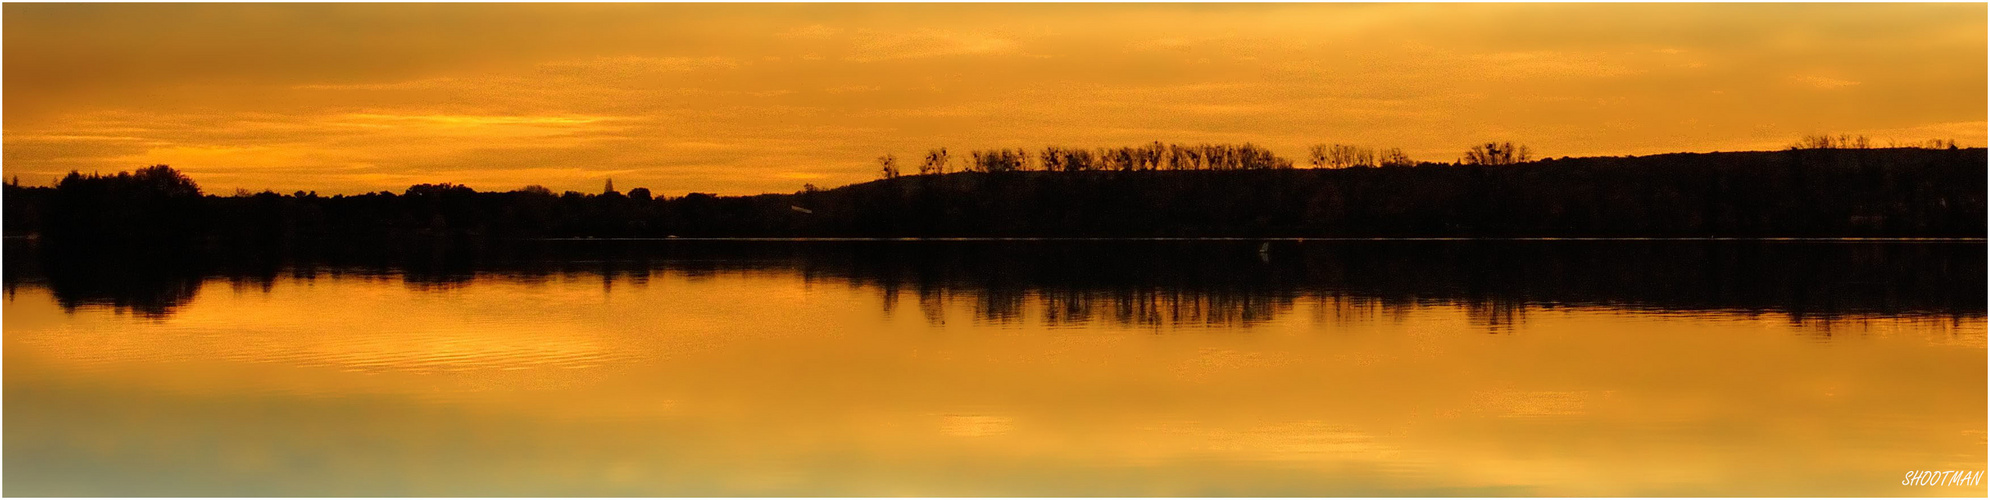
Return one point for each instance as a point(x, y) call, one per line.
point(1847, 141)
point(1351, 156)
point(1159, 156)
point(1155, 156)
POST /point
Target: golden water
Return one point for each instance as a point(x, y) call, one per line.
point(756, 382)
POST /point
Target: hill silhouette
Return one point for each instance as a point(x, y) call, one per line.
point(1823, 192)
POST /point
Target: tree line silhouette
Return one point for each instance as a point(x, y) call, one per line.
point(1154, 156)
point(1163, 156)
point(1828, 187)
point(1848, 141)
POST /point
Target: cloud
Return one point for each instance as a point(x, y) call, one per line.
point(813, 31)
point(469, 121)
point(494, 92)
point(876, 46)
point(643, 64)
point(1823, 82)
point(852, 88)
point(1162, 44)
point(424, 83)
point(1551, 63)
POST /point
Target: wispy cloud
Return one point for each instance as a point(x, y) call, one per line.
point(877, 46)
point(1823, 82)
point(642, 63)
point(727, 98)
point(424, 83)
point(1550, 63)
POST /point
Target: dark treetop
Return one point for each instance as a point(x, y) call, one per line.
point(1893, 192)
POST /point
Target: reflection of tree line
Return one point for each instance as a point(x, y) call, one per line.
point(1134, 307)
point(149, 285)
point(1493, 192)
point(1147, 283)
point(1494, 281)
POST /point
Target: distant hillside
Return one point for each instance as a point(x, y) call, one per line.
point(1892, 192)
point(1904, 192)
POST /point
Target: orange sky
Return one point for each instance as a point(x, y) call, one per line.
point(749, 98)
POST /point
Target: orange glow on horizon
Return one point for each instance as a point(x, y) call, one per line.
point(750, 98)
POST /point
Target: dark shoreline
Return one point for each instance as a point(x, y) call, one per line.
point(1796, 194)
point(803, 239)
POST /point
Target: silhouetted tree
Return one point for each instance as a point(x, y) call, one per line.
point(1842, 141)
point(150, 203)
point(163, 181)
point(1496, 153)
point(1000, 160)
point(1052, 159)
point(1880, 192)
point(1057, 159)
point(1394, 157)
point(936, 162)
point(888, 166)
point(1341, 156)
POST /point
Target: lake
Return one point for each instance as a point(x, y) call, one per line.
point(998, 368)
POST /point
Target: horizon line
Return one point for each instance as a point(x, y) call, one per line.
point(13, 180)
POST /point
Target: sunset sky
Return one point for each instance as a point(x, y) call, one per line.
point(750, 98)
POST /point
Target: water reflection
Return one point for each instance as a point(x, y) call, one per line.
point(1149, 283)
point(718, 369)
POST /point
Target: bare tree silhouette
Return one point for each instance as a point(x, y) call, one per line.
point(1826, 141)
point(998, 160)
point(1340, 156)
point(1394, 157)
point(936, 162)
point(1497, 153)
point(888, 166)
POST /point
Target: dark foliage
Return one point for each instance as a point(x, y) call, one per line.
point(1902, 192)
point(153, 203)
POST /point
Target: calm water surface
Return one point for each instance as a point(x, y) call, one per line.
point(1710, 369)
